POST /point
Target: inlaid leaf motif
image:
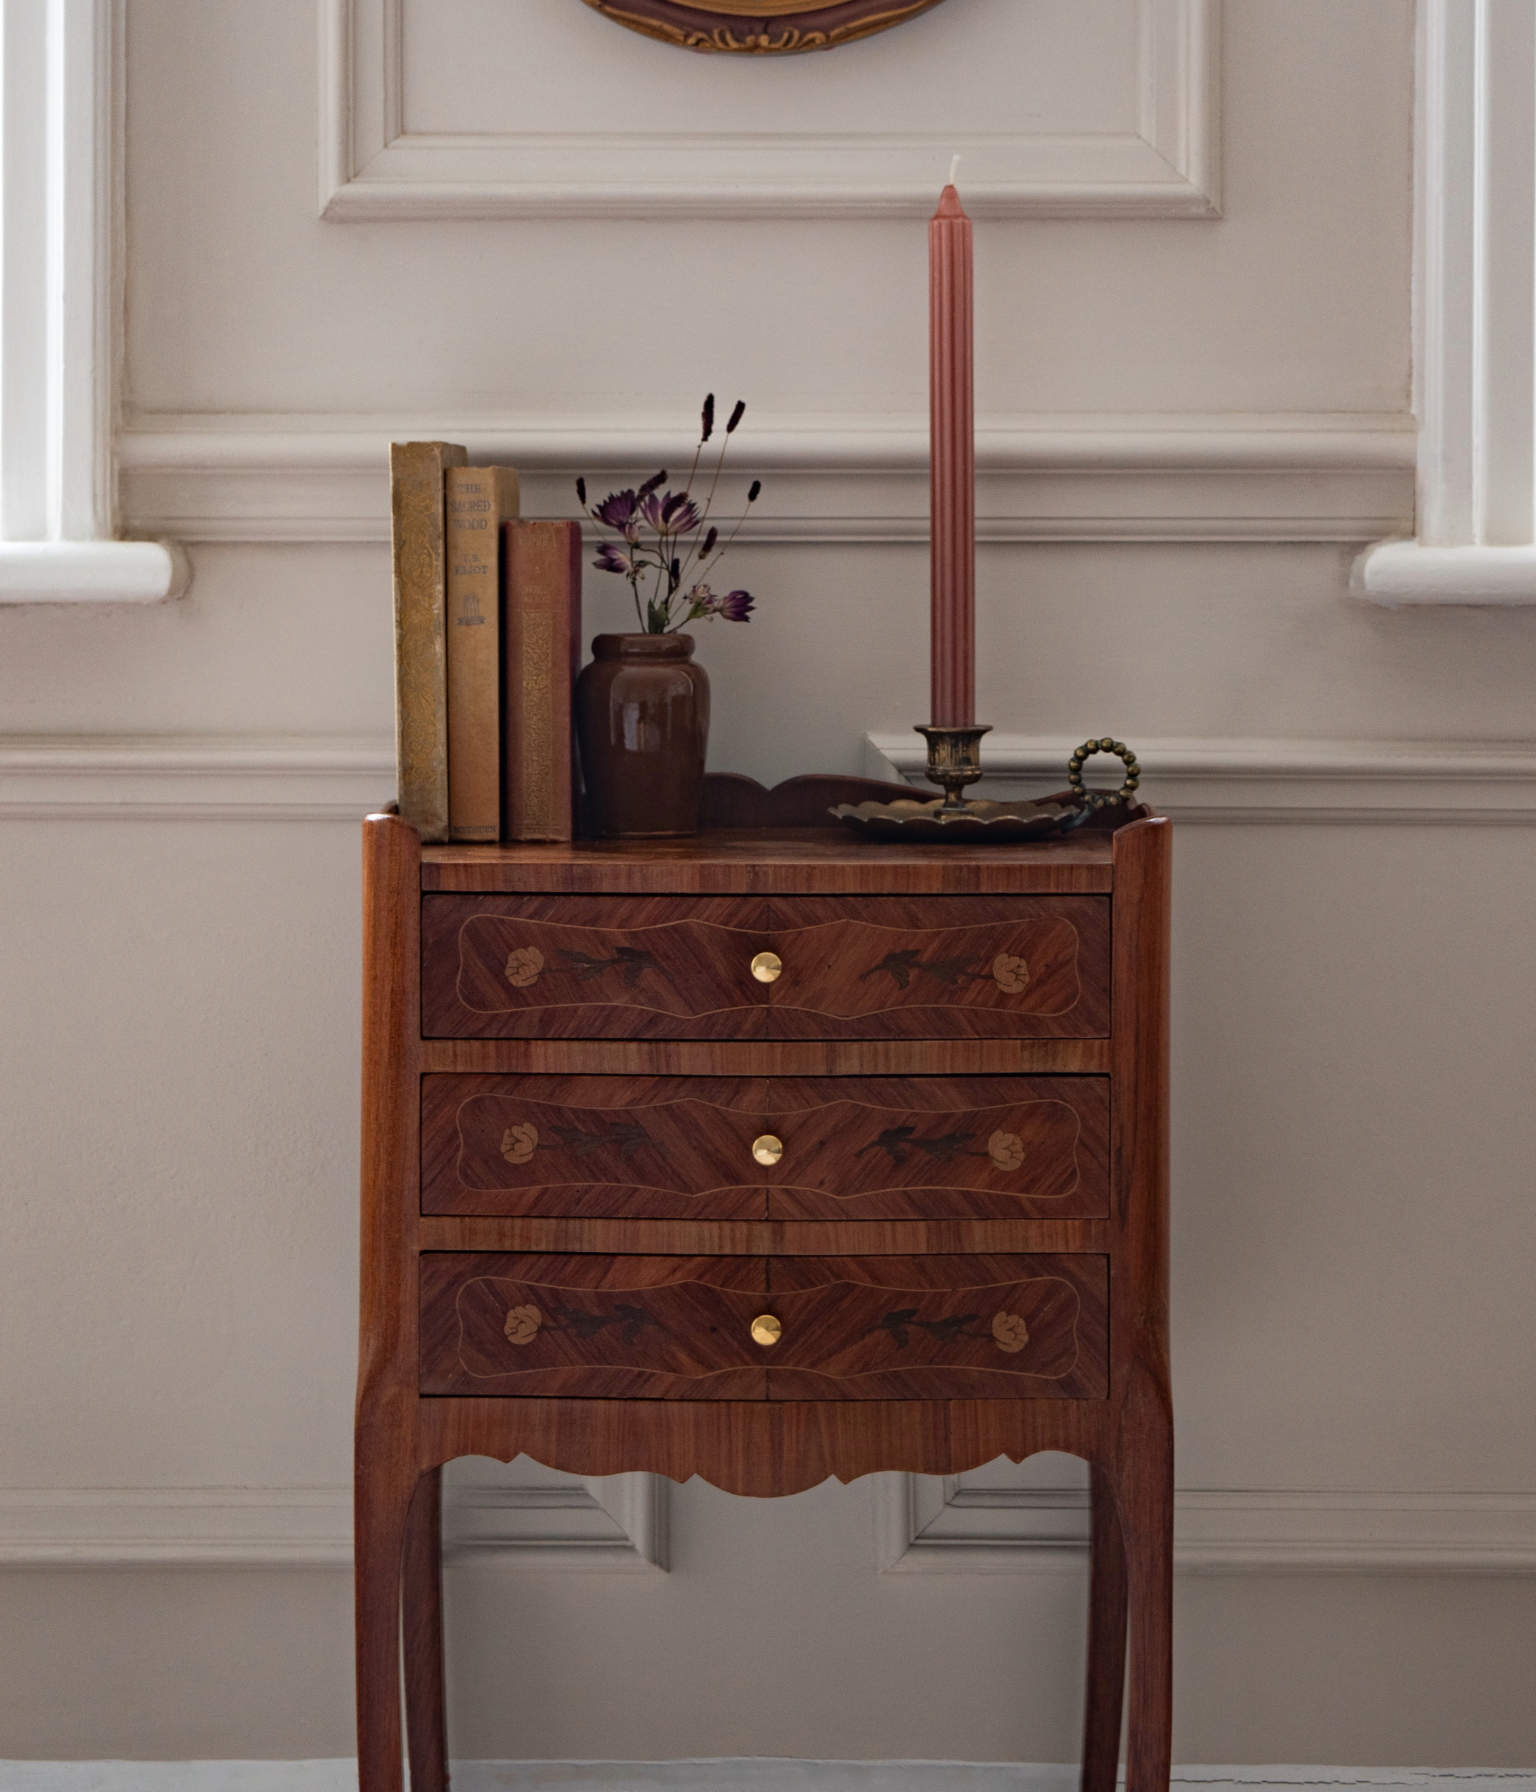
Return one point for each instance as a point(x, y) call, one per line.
point(522, 1324)
point(896, 1139)
point(623, 1133)
point(1009, 1332)
point(635, 964)
point(1006, 1149)
point(518, 1143)
point(523, 966)
point(904, 1320)
point(952, 972)
point(1010, 973)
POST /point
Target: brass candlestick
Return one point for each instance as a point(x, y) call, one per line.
point(954, 760)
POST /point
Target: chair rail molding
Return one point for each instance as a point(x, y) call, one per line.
point(1253, 780)
point(1475, 314)
point(194, 777)
point(372, 167)
point(337, 778)
point(60, 211)
point(932, 1524)
point(836, 478)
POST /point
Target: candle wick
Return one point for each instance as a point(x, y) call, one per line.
point(954, 168)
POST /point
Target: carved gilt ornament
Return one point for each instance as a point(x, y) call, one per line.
point(753, 28)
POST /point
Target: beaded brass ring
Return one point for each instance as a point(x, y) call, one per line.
point(1103, 799)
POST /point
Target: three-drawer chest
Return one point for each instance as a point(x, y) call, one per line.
point(768, 1155)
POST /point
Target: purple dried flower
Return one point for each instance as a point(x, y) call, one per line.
point(736, 416)
point(709, 541)
point(735, 606)
point(655, 480)
point(610, 559)
point(708, 418)
point(581, 491)
point(757, 486)
point(617, 510)
point(680, 513)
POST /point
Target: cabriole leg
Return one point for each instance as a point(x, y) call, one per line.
point(426, 1727)
point(1106, 1639)
point(381, 1501)
point(1146, 1497)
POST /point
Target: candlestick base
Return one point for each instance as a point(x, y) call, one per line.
point(954, 760)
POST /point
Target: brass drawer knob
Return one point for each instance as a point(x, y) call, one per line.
point(766, 966)
point(766, 1329)
point(767, 1149)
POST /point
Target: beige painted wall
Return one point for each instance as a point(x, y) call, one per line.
point(179, 993)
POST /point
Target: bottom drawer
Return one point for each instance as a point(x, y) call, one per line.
point(848, 1328)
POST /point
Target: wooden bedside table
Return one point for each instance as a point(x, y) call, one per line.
point(765, 1156)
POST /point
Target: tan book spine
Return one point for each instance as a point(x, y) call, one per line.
point(478, 501)
point(421, 682)
point(541, 612)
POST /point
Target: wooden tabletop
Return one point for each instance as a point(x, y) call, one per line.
point(776, 861)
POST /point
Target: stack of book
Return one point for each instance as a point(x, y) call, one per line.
point(487, 643)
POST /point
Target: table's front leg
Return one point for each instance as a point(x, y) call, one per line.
point(422, 1605)
point(385, 1484)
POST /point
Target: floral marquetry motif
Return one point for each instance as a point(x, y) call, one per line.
point(518, 1143)
point(1006, 1149)
point(523, 966)
point(522, 1324)
point(1010, 1332)
point(1010, 973)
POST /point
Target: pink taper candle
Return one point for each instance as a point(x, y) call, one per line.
point(952, 430)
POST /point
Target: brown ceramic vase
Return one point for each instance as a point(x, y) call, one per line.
point(642, 718)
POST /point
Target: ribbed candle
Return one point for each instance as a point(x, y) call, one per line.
point(952, 433)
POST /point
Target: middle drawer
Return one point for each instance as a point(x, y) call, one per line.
point(774, 1148)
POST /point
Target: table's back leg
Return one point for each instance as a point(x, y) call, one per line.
point(422, 1602)
point(1106, 1639)
point(381, 1501)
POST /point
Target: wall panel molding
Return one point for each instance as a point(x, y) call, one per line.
point(923, 1525)
point(619, 1522)
point(928, 1524)
point(830, 479)
point(1474, 314)
point(371, 168)
point(1252, 780)
point(61, 123)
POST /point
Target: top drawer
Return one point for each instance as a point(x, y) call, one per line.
point(813, 967)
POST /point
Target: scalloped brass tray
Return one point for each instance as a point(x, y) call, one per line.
point(978, 822)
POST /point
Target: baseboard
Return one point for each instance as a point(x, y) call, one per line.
point(1256, 780)
point(758, 1774)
